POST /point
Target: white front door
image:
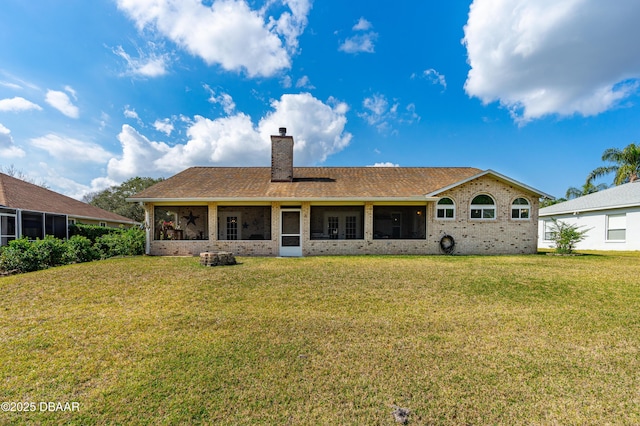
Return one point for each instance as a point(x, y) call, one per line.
point(290, 232)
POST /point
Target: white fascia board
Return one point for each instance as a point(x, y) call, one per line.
point(281, 199)
point(587, 210)
point(495, 174)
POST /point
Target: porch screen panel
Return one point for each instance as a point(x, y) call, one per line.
point(32, 225)
point(7, 228)
point(399, 222)
point(253, 222)
point(337, 222)
point(56, 225)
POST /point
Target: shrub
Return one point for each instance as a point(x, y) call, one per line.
point(81, 249)
point(23, 255)
point(92, 232)
point(18, 256)
point(566, 236)
point(129, 242)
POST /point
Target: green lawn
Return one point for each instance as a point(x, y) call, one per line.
point(326, 340)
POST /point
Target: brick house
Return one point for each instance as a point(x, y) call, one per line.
point(299, 211)
point(28, 210)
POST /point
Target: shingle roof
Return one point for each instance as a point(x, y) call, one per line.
point(620, 196)
point(18, 194)
point(310, 183)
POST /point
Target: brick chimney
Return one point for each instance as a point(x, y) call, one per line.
point(282, 157)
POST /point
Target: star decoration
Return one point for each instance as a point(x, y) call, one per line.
point(191, 218)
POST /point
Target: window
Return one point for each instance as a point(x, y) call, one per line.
point(483, 207)
point(337, 222)
point(446, 209)
point(549, 230)
point(399, 222)
point(520, 209)
point(103, 224)
point(616, 227)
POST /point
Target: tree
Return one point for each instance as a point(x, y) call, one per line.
point(19, 174)
point(113, 199)
point(626, 165)
point(566, 236)
point(587, 188)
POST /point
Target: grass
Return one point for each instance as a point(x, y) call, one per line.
point(326, 340)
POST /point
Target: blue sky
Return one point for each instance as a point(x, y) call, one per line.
point(93, 93)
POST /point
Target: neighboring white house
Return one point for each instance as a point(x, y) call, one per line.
point(612, 217)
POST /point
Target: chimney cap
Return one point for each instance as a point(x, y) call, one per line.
point(282, 131)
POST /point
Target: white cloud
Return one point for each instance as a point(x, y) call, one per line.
point(165, 126)
point(540, 57)
point(7, 148)
point(291, 25)
point(317, 128)
point(18, 104)
point(69, 187)
point(381, 114)
point(387, 164)
point(70, 149)
point(10, 85)
point(435, 77)
point(359, 43)
point(146, 65)
point(61, 102)
point(304, 82)
point(228, 32)
point(131, 113)
point(223, 99)
point(362, 25)
point(362, 41)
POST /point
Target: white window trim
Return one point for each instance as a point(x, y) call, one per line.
point(608, 228)
point(520, 207)
point(483, 207)
point(445, 207)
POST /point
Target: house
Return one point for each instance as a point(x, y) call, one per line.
point(612, 218)
point(33, 211)
point(297, 211)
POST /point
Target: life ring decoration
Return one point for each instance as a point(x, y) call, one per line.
point(447, 244)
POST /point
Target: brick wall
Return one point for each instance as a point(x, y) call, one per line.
point(281, 158)
point(501, 235)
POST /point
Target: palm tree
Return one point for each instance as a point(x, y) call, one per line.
point(586, 189)
point(626, 167)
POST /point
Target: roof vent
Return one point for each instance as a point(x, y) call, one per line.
point(282, 131)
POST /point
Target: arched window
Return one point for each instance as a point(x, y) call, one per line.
point(483, 207)
point(520, 209)
point(445, 209)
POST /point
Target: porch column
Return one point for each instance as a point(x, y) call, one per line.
point(148, 227)
point(213, 221)
point(368, 221)
point(275, 222)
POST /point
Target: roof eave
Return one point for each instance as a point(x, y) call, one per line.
point(495, 174)
point(587, 210)
point(282, 199)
